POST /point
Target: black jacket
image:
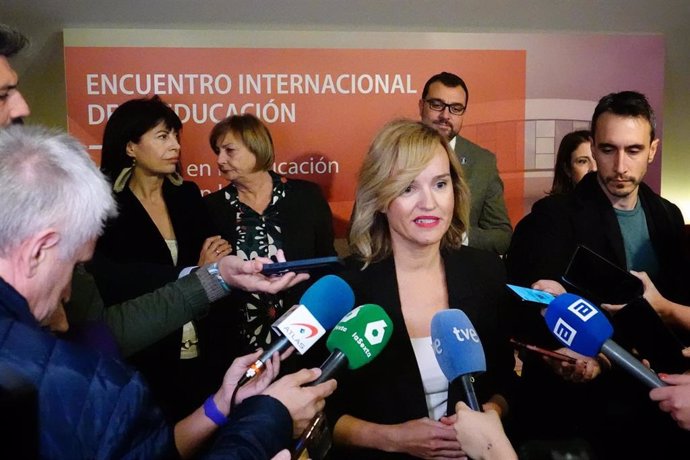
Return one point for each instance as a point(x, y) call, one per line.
point(307, 230)
point(132, 259)
point(614, 408)
point(389, 390)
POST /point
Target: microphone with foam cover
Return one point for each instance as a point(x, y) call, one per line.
point(458, 350)
point(580, 326)
point(321, 306)
point(354, 342)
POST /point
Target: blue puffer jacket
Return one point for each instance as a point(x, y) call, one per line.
point(91, 406)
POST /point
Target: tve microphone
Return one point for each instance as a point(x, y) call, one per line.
point(354, 342)
point(580, 326)
point(319, 309)
point(458, 350)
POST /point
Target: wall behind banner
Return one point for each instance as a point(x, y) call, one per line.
point(41, 67)
point(324, 104)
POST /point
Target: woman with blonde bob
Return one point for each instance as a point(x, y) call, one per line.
point(398, 154)
point(411, 211)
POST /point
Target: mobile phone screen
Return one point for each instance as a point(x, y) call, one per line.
point(531, 295)
point(600, 280)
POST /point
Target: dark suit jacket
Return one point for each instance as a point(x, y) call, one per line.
point(545, 239)
point(136, 257)
point(389, 390)
point(132, 259)
point(614, 407)
point(490, 227)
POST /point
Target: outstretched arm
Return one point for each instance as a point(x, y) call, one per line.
point(192, 431)
point(138, 323)
point(673, 314)
point(264, 424)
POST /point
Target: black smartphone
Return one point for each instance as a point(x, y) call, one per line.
point(301, 266)
point(599, 279)
point(543, 351)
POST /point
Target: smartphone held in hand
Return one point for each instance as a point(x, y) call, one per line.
point(301, 266)
point(543, 351)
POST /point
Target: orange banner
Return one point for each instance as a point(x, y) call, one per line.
point(323, 106)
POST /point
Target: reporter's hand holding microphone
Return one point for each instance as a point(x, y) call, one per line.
point(249, 376)
point(355, 341)
point(460, 355)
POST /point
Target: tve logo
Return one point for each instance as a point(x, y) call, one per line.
point(564, 331)
point(583, 310)
point(438, 349)
point(466, 333)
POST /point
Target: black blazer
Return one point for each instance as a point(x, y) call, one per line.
point(131, 256)
point(389, 390)
point(306, 220)
point(132, 259)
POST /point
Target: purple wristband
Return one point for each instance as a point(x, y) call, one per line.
point(212, 412)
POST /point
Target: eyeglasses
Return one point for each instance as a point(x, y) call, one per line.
point(438, 105)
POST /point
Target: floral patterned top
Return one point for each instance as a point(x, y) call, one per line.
point(258, 235)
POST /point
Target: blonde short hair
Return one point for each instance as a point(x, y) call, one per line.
point(398, 154)
point(253, 134)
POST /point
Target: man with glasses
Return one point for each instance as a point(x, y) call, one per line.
point(442, 106)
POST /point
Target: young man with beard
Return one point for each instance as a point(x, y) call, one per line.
point(614, 213)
